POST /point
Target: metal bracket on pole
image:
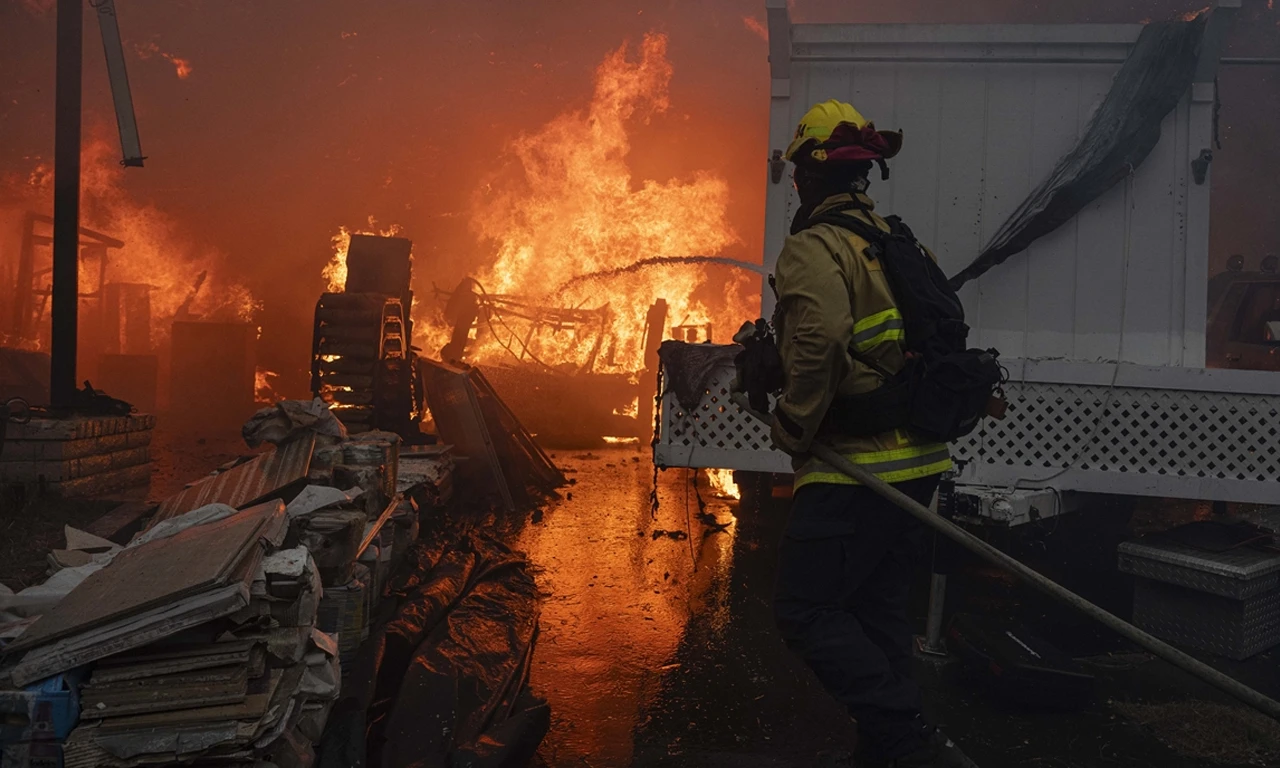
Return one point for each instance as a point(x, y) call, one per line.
point(130, 144)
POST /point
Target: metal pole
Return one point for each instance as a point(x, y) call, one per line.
point(933, 622)
point(982, 549)
point(66, 203)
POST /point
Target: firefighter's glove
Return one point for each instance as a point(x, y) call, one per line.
point(740, 375)
point(758, 367)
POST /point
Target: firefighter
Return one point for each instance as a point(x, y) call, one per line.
point(846, 560)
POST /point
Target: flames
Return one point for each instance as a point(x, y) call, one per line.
point(722, 484)
point(335, 272)
point(184, 278)
point(565, 222)
point(567, 205)
point(156, 252)
point(264, 392)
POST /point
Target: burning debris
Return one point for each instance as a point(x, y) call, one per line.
point(583, 249)
point(362, 362)
point(181, 66)
point(139, 275)
point(154, 250)
point(722, 483)
point(336, 270)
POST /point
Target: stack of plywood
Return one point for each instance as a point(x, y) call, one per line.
point(80, 456)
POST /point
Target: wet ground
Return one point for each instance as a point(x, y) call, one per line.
point(660, 651)
point(658, 647)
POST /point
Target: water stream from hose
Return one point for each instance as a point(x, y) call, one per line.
point(659, 261)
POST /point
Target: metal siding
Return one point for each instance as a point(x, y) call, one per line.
point(1149, 284)
point(1099, 255)
point(1006, 183)
point(1201, 110)
point(1051, 274)
point(979, 138)
point(1178, 231)
point(915, 178)
point(962, 109)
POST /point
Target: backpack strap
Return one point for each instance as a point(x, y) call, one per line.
point(875, 238)
point(874, 235)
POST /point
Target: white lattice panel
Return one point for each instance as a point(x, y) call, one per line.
point(1131, 440)
point(715, 434)
point(1144, 441)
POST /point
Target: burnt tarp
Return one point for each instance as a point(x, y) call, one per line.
point(444, 682)
point(686, 368)
point(1123, 131)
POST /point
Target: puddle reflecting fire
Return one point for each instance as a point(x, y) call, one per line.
point(619, 600)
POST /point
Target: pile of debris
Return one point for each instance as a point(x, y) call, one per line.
point(197, 639)
point(223, 632)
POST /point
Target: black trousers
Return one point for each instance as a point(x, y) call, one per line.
point(844, 574)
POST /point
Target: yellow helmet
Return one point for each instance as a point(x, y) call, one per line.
point(834, 131)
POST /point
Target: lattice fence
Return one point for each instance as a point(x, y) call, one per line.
point(1104, 432)
point(1171, 432)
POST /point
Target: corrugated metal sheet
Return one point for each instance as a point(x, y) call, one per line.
point(987, 111)
point(254, 481)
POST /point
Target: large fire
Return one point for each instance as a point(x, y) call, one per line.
point(185, 278)
point(567, 206)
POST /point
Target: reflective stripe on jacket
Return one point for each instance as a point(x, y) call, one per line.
point(832, 295)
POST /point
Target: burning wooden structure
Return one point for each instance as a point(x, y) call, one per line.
point(578, 398)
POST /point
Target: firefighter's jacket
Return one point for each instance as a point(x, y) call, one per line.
point(831, 295)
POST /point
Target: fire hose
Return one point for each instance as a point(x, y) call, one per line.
point(982, 549)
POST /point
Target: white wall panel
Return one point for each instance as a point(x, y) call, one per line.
point(983, 127)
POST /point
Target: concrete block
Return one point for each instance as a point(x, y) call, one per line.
point(37, 450)
point(104, 482)
point(80, 427)
point(69, 469)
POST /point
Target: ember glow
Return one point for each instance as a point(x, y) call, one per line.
point(264, 392)
point(182, 67)
point(756, 27)
point(722, 483)
point(574, 208)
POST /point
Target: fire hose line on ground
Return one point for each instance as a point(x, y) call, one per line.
point(982, 549)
